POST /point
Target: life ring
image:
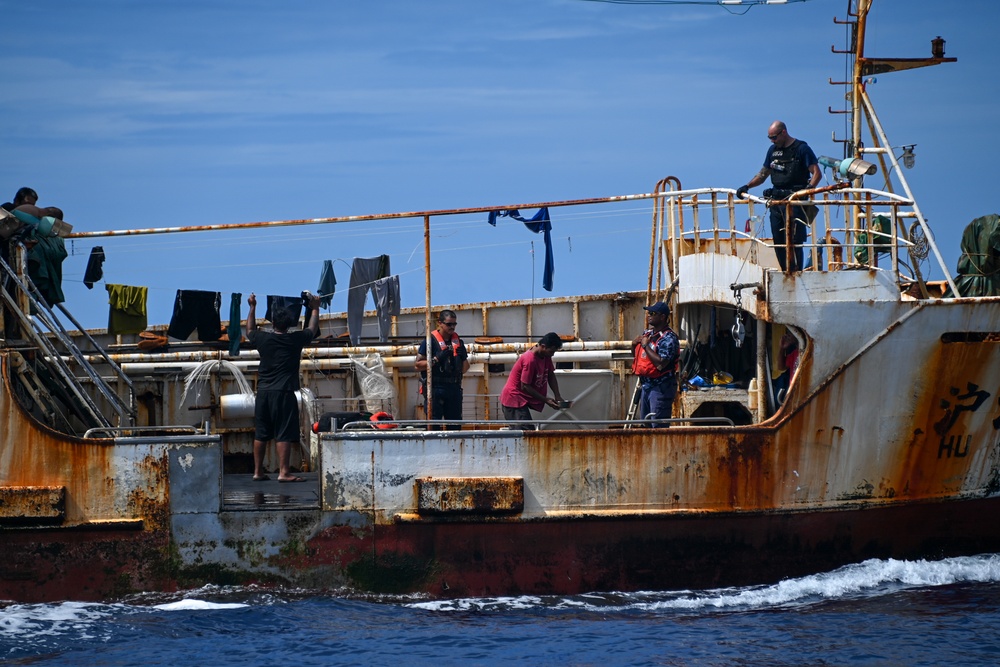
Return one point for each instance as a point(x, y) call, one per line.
point(379, 418)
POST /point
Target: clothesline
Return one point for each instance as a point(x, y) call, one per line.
point(75, 276)
point(142, 244)
point(197, 309)
point(173, 288)
point(542, 225)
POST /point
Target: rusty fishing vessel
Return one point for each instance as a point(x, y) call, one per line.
point(124, 459)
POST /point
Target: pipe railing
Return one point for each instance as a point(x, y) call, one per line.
point(832, 246)
point(389, 426)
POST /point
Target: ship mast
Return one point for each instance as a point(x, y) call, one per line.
point(861, 109)
point(864, 66)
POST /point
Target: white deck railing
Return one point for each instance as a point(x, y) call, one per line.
point(851, 228)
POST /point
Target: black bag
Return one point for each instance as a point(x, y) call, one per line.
point(331, 421)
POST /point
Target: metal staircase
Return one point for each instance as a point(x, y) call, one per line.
point(43, 357)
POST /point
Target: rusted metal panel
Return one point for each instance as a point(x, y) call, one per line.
point(83, 563)
point(32, 504)
point(927, 430)
point(470, 495)
point(104, 479)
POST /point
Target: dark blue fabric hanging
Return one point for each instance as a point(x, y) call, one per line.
point(234, 331)
point(540, 222)
point(327, 284)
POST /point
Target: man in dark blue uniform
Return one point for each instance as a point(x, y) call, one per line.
point(656, 351)
point(792, 166)
point(449, 360)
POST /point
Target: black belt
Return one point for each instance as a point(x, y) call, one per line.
point(781, 193)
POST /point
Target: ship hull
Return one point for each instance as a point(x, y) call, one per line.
point(656, 553)
point(502, 558)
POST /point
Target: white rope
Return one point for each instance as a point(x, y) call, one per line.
point(199, 377)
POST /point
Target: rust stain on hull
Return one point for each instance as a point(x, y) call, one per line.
point(86, 469)
point(27, 505)
point(42, 565)
point(470, 495)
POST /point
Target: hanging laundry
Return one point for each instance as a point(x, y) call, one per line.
point(538, 223)
point(294, 303)
point(364, 272)
point(128, 309)
point(45, 267)
point(196, 309)
point(327, 284)
point(95, 267)
point(386, 293)
point(45, 258)
point(235, 332)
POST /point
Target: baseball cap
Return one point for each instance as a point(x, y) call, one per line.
point(658, 307)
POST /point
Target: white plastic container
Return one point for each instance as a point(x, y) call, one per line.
point(241, 406)
point(237, 406)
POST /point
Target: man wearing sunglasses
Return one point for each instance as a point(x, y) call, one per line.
point(449, 360)
point(792, 166)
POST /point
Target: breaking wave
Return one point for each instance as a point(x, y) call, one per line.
point(871, 578)
point(892, 610)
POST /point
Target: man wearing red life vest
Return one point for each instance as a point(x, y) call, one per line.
point(448, 361)
point(656, 352)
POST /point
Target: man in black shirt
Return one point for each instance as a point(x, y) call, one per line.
point(276, 411)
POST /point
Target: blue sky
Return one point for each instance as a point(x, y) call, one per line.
point(139, 114)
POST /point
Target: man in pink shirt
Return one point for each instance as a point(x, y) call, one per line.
point(529, 380)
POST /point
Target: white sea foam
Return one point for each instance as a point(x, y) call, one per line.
point(38, 620)
point(186, 605)
point(868, 579)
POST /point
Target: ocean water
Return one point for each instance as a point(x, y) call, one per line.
point(874, 613)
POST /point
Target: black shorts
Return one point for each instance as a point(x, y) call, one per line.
point(276, 416)
point(196, 309)
point(519, 414)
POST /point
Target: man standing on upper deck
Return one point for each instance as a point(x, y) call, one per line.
point(448, 361)
point(792, 166)
point(276, 410)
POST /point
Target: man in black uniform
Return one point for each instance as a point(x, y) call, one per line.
point(792, 166)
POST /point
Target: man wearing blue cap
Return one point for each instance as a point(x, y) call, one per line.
point(656, 352)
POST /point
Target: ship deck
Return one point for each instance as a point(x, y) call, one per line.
point(240, 493)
